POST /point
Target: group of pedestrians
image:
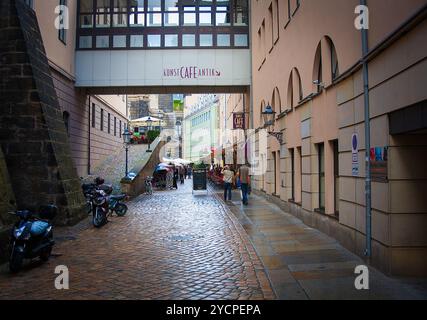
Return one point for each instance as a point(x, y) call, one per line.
point(231, 178)
point(177, 174)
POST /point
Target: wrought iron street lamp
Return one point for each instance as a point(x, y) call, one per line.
point(269, 116)
point(126, 140)
point(149, 128)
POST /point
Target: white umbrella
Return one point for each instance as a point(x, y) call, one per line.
point(182, 161)
point(145, 119)
point(176, 161)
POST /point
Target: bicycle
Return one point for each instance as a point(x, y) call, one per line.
point(148, 186)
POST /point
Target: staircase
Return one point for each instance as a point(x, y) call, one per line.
point(112, 168)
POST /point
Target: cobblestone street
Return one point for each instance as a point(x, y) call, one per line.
point(172, 245)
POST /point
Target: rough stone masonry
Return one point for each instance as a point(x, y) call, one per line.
point(33, 136)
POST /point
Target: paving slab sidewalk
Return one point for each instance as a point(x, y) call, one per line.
point(304, 263)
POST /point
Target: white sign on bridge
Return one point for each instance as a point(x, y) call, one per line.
point(145, 68)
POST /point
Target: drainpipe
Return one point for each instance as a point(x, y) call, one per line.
point(88, 139)
point(251, 91)
point(368, 190)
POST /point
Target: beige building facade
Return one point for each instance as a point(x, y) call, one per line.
point(94, 123)
point(307, 64)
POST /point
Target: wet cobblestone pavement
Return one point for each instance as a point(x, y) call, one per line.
point(172, 245)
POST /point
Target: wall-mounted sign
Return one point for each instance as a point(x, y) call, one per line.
point(191, 72)
point(239, 121)
point(379, 164)
point(355, 154)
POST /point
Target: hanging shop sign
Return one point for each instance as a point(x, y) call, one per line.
point(379, 164)
point(239, 121)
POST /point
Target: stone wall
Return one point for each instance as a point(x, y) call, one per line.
point(7, 199)
point(33, 136)
point(145, 168)
point(6, 204)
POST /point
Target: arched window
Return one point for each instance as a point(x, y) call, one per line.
point(334, 58)
point(297, 78)
point(66, 118)
point(290, 100)
point(276, 101)
point(326, 58)
point(295, 94)
point(317, 69)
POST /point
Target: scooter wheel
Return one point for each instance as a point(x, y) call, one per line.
point(121, 209)
point(16, 261)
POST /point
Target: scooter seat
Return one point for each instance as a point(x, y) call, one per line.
point(39, 227)
point(118, 197)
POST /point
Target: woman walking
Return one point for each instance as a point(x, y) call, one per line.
point(228, 183)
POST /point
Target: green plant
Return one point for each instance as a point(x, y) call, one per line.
point(152, 135)
point(200, 165)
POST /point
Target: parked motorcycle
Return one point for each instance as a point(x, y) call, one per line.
point(115, 202)
point(100, 208)
point(88, 190)
point(116, 205)
point(31, 236)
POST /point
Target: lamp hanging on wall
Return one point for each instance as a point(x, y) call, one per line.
point(269, 116)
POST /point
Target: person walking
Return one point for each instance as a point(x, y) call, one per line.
point(169, 179)
point(181, 174)
point(228, 182)
point(175, 178)
point(245, 182)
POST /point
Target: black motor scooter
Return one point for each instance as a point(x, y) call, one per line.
point(31, 236)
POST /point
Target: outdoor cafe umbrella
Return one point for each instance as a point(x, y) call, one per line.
point(145, 120)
